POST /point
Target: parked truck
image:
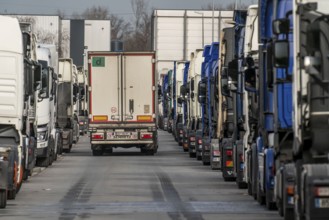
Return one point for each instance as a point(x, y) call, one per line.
point(250, 97)
point(206, 95)
point(20, 75)
point(310, 106)
point(48, 135)
point(68, 94)
point(195, 108)
point(227, 129)
point(177, 102)
point(83, 101)
point(184, 99)
point(127, 118)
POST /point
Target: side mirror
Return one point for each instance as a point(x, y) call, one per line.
point(250, 77)
point(82, 92)
point(183, 90)
point(192, 96)
point(159, 90)
point(192, 86)
point(55, 77)
point(75, 90)
point(180, 100)
point(28, 76)
point(202, 92)
point(281, 26)
point(281, 54)
point(37, 77)
point(225, 87)
point(249, 62)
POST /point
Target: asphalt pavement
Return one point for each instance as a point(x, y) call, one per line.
point(128, 185)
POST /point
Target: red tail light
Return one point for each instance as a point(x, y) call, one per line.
point(241, 158)
point(97, 136)
point(229, 153)
point(181, 131)
point(216, 153)
point(199, 141)
point(146, 136)
point(229, 163)
point(192, 138)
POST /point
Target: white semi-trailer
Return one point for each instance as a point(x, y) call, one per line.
point(122, 101)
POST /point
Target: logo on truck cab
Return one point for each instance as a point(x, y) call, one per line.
point(98, 62)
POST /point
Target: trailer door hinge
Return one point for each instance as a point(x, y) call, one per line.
point(153, 60)
point(89, 89)
point(153, 88)
point(89, 61)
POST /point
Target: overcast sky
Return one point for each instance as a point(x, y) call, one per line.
point(120, 7)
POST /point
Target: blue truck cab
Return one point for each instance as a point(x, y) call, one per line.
point(185, 93)
point(209, 122)
point(202, 91)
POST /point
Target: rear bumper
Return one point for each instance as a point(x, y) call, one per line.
point(123, 142)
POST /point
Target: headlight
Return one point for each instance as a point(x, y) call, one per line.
point(42, 136)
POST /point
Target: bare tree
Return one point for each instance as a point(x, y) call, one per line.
point(220, 7)
point(119, 27)
point(99, 13)
point(140, 39)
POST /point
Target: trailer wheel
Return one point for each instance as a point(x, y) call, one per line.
point(269, 205)
point(11, 194)
point(192, 155)
point(43, 162)
point(3, 199)
point(150, 152)
point(97, 152)
point(289, 214)
point(242, 185)
point(260, 198)
point(254, 170)
point(199, 157)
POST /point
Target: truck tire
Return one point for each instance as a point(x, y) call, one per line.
point(3, 199)
point(11, 194)
point(260, 198)
point(254, 167)
point(269, 204)
point(43, 162)
point(150, 152)
point(97, 152)
point(68, 150)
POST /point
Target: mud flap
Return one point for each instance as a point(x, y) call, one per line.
point(227, 159)
point(67, 139)
point(3, 175)
point(315, 184)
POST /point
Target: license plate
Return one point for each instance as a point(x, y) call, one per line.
point(192, 143)
point(122, 135)
point(322, 203)
point(216, 159)
point(291, 200)
point(193, 150)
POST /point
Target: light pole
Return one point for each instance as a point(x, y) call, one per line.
point(201, 13)
point(213, 21)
